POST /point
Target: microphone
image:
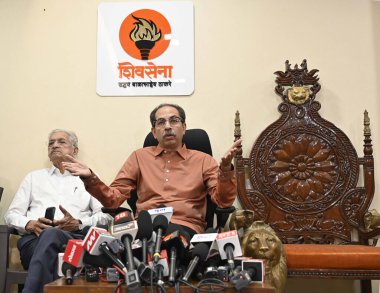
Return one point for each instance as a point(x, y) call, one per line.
point(229, 246)
point(101, 261)
point(94, 238)
point(160, 224)
point(255, 269)
point(208, 238)
point(160, 274)
point(96, 243)
point(74, 253)
point(125, 229)
point(144, 222)
point(122, 224)
point(107, 252)
point(176, 243)
point(161, 210)
point(162, 261)
point(145, 271)
point(198, 255)
point(68, 271)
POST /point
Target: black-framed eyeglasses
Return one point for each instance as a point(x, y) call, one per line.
point(173, 121)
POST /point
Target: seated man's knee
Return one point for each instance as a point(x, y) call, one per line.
point(54, 235)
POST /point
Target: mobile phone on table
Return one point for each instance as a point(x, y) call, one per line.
point(49, 213)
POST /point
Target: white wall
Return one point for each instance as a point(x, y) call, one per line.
point(48, 65)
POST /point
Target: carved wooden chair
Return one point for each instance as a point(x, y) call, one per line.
point(8, 275)
point(301, 177)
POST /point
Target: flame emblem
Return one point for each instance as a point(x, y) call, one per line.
point(145, 35)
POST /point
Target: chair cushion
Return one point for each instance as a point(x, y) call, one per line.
point(325, 256)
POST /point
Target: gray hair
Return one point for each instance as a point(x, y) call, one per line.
point(72, 136)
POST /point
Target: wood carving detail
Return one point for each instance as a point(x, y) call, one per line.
point(303, 170)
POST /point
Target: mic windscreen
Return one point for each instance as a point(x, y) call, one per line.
point(66, 266)
point(160, 222)
point(211, 230)
point(144, 222)
point(85, 230)
point(200, 250)
point(122, 217)
point(97, 260)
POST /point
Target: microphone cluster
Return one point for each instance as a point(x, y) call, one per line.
point(142, 252)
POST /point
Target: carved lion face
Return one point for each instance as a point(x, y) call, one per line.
point(241, 219)
point(260, 241)
point(263, 245)
point(298, 95)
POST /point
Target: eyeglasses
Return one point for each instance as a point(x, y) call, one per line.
point(173, 121)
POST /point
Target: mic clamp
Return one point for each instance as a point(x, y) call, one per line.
point(133, 281)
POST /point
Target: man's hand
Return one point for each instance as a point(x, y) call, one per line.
point(75, 167)
point(226, 160)
point(68, 223)
point(37, 226)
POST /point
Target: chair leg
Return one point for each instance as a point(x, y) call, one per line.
point(366, 286)
point(20, 288)
point(8, 286)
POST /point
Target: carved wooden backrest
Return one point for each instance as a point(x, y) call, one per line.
point(302, 173)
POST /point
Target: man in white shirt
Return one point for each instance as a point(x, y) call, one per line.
point(42, 238)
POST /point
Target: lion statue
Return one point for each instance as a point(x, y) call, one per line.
point(261, 242)
point(372, 220)
point(241, 220)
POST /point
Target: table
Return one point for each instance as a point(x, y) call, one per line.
point(80, 285)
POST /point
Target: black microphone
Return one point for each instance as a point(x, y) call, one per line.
point(144, 222)
point(198, 255)
point(229, 246)
point(103, 247)
point(68, 271)
point(176, 243)
point(85, 230)
point(145, 271)
point(100, 261)
point(160, 224)
point(125, 230)
point(160, 274)
point(229, 249)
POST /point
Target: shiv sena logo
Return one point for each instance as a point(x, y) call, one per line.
point(145, 34)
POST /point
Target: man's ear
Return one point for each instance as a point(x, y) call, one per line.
point(153, 130)
point(184, 128)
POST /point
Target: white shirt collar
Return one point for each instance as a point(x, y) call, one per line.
point(54, 170)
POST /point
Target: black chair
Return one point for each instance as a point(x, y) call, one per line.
point(195, 139)
point(8, 276)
